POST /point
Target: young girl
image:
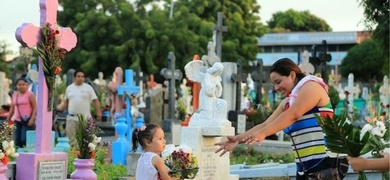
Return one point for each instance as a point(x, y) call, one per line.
point(150, 165)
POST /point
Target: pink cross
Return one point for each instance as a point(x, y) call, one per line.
point(28, 35)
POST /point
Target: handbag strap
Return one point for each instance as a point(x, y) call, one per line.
point(301, 163)
point(299, 158)
point(17, 104)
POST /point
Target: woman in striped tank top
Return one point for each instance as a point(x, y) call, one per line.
point(304, 97)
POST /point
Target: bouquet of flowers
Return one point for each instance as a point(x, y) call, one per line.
point(87, 137)
point(343, 137)
point(52, 56)
point(182, 163)
point(7, 146)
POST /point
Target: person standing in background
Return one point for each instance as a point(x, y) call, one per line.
point(78, 97)
point(23, 111)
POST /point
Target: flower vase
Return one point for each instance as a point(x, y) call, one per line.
point(186, 121)
point(3, 171)
point(84, 169)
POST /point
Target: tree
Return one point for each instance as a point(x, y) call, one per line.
point(364, 61)
point(116, 33)
point(376, 14)
point(3, 64)
point(301, 21)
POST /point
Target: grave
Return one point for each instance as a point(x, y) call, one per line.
point(171, 125)
point(205, 128)
point(33, 165)
point(4, 89)
point(384, 91)
point(238, 117)
point(306, 67)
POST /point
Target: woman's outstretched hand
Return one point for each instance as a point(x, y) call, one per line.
point(227, 145)
point(254, 138)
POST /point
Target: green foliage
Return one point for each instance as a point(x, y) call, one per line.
point(296, 21)
point(334, 96)
point(103, 170)
point(117, 33)
point(244, 155)
point(365, 62)
point(3, 65)
point(377, 19)
point(259, 115)
point(341, 137)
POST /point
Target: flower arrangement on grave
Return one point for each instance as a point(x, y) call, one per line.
point(52, 56)
point(182, 163)
point(343, 137)
point(181, 109)
point(7, 146)
point(87, 137)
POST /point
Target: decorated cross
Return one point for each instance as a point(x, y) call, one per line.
point(257, 76)
point(219, 28)
point(29, 35)
point(127, 90)
point(172, 75)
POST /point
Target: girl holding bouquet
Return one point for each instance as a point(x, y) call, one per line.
point(305, 96)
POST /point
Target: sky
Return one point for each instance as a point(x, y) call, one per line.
point(341, 15)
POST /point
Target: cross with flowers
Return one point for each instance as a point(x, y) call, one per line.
point(30, 35)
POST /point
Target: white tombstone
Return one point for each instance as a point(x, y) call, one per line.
point(353, 92)
point(142, 93)
point(186, 95)
point(4, 89)
point(100, 81)
point(306, 67)
point(384, 91)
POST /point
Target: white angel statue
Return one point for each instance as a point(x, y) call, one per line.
point(211, 107)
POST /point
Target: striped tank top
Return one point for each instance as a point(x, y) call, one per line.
point(308, 137)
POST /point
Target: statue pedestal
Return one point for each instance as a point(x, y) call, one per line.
point(202, 140)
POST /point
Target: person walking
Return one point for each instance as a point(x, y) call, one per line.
point(78, 97)
point(23, 112)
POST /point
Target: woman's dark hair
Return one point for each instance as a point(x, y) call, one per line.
point(142, 134)
point(21, 79)
point(284, 67)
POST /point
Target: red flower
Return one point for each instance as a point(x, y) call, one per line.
point(57, 70)
point(5, 160)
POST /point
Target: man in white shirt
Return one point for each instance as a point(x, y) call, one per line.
point(77, 99)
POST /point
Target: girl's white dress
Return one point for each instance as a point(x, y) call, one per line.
point(145, 168)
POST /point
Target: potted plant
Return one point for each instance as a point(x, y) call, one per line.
point(182, 112)
point(87, 140)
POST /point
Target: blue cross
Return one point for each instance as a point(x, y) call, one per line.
point(128, 89)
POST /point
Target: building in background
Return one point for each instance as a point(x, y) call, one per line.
point(274, 46)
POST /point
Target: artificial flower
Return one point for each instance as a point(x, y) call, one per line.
point(86, 137)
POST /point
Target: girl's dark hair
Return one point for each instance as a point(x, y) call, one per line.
point(5, 107)
point(141, 135)
point(284, 67)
